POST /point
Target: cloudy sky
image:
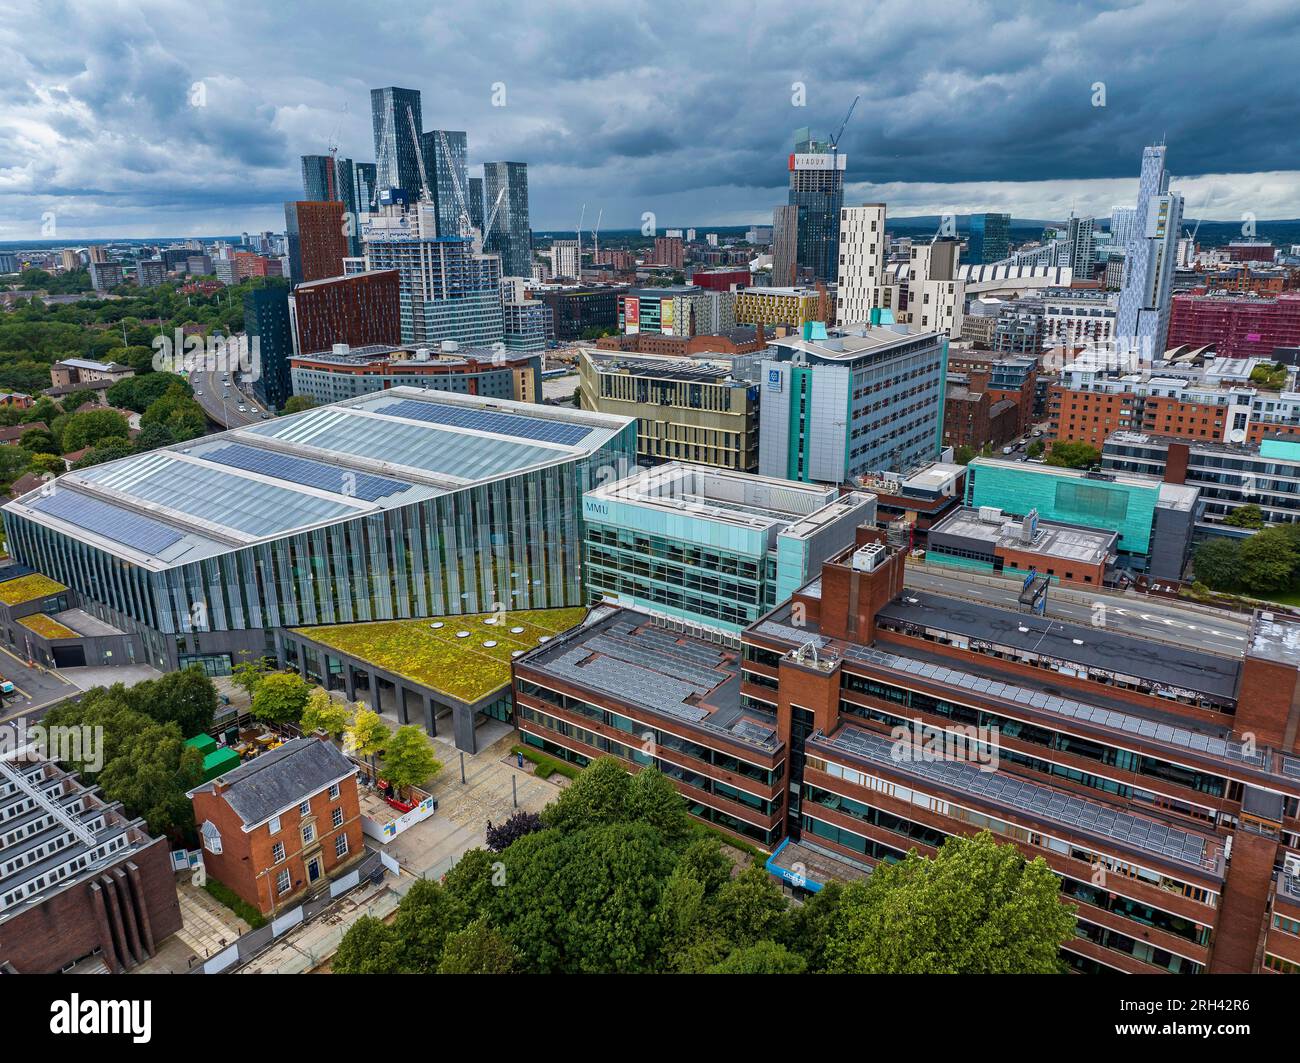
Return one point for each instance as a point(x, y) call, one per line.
point(683, 109)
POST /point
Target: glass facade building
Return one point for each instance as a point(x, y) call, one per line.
point(511, 237)
point(715, 548)
point(396, 163)
point(383, 507)
point(990, 239)
point(445, 169)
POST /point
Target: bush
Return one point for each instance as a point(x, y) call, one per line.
point(232, 900)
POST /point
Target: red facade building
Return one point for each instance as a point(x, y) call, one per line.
point(361, 310)
point(1238, 326)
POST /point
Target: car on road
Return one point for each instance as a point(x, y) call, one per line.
point(198, 391)
point(6, 687)
point(242, 408)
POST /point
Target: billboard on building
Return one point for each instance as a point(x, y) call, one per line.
point(666, 316)
point(631, 315)
point(818, 161)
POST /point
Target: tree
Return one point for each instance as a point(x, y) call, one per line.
point(51, 464)
point(808, 926)
point(599, 795)
point(281, 697)
point(409, 758)
point(153, 436)
point(248, 674)
point(963, 455)
point(763, 957)
point(976, 908)
point(427, 914)
point(1247, 516)
point(1217, 563)
point(520, 823)
point(108, 450)
point(13, 463)
point(1268, 561)
point(39, 441)
point(366, 734)
point(1073, 455)
point(478, 949)
point(297, 404)
point(324, 713)
point(87, 429)
point(369, 947)
point(652, 798)
point(187, 697)
point(1035, 448)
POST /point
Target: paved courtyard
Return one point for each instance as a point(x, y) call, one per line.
point(431, 848)
point(207, 927)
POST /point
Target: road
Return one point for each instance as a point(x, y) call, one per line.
point(1127, 613)
point(221, 404)
point(36, 690)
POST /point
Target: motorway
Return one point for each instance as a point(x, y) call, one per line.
point(1126, 613)
point(221, 404)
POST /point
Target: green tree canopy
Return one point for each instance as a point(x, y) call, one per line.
point(1073, 455)
point(976, 908)
point(281, 697)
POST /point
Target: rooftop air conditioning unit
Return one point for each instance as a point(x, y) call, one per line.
point(990, 514)
point(341, 350)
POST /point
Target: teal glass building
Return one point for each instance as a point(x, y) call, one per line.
point(712, 547)
point(404, 504)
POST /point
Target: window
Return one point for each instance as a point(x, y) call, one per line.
point(336, 817)
point(277, 853)
point(274, 825)
point(341, 845)
point(304, 809)
point(308, 834)
point(211, 837)
point(334, 792)
point(282, 881)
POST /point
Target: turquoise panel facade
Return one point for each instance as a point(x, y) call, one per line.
point(1062, 495)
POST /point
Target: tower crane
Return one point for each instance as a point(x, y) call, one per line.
point(466, 225)
point(425, 197)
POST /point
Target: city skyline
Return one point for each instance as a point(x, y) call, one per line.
point(142, 135)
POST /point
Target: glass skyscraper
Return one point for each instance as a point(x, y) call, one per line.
point(476, 217)
point(1142, 324)
point(364, 179)
point(396, 163)
point(325, 178)
point(817, 191)
point(441, 180)
point(511, 237)
point(990, 239)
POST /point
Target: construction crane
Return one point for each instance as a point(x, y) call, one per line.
point(425, 196)
point(595, 252)
point(466, 224)
point(835, 140)
point(492, 214)
point(581, 218)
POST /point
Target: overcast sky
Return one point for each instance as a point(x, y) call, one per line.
point(684, 109)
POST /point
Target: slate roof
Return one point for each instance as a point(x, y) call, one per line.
point(280, 779)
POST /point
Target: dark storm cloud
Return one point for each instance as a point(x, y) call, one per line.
point(681, 108)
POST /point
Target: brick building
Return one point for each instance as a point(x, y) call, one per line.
point(317, 243)
point(359, 310)
point(281, 825)
point(670, 251)
point(81, 883)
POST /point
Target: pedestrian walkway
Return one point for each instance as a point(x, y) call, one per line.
point(207, 927)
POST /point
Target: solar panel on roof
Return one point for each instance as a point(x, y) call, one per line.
point(362, 485)
point(130, 529)
point(505, 424)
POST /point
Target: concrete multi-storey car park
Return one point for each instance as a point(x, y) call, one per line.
point(408, 503)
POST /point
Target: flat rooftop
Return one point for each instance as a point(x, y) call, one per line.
point(1053, 541)
point(1276, 637)
point(630, 657)
point(686, 369)
point(292, 474)
point(744, 499)
point(463, 657)
point(847, 343)
point(1106, 476)
point(402, 356)
point(1159, 663)
point(1044, 804)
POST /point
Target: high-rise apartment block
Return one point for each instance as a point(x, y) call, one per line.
point(317, 239)
point(393, 112)
point(359, 310)
point(817, 190)
point(862, 284)
point(1142, 327)
point(511, 237)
